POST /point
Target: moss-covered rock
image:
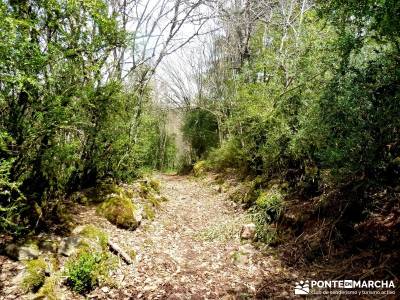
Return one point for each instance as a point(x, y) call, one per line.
point(121, 211)
point(244, 193)
point(69, 245)
point(35, 274)
point(49, 290)
point(27, 251)
point(200, 168)
point(94, 234)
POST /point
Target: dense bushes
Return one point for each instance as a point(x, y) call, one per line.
point(328, 98)
point(66, 122)
point(200, 129)
point(315, 105)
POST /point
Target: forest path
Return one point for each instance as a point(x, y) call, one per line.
point(192, 250)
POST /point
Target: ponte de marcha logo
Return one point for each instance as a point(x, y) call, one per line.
point(354, 287)
point(302, 287)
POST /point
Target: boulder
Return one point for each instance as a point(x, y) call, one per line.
point(69, 245)
point(25, 252)
point(120, 211)
point(248, 231)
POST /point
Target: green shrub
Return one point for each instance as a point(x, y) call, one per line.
point(120, 211)
point(228, 155)
point(88, 268)
point(81, 271)
point(200, 129)
point(35, 274)
point(271, 201)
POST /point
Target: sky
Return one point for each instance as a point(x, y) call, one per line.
point(153, 33)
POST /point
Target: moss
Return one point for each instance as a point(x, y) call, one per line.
point(200, 168)
point(49, 289)
point(269, 206)
point(153, 200)
point(155, 184)
point(149, 213)
point(101, 192)
point(244, 193)
point(120, 211)
point(132, 253)
point(80, 198)
point(35, 274)
point(130, 193)
point(96, 234)
point(396, 161)
point(32, 243)
point(144, 189)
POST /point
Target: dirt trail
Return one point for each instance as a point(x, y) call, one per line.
point(192, 249)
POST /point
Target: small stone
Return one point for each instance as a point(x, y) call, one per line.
point(105, 289)
point(78, 229)
point(218, 188)
point(248, 231)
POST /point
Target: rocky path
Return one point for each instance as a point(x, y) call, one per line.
point(191, 250)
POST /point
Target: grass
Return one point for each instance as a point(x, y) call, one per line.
point(35, 275)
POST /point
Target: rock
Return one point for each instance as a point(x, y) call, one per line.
point(218, 188)
point(48, 246)
point(69, 245)
point(120, 211)
point(248, 231)
point(25, 252)
point(78, 229)
point(105, 289)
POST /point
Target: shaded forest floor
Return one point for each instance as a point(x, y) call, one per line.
point(192, 250)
